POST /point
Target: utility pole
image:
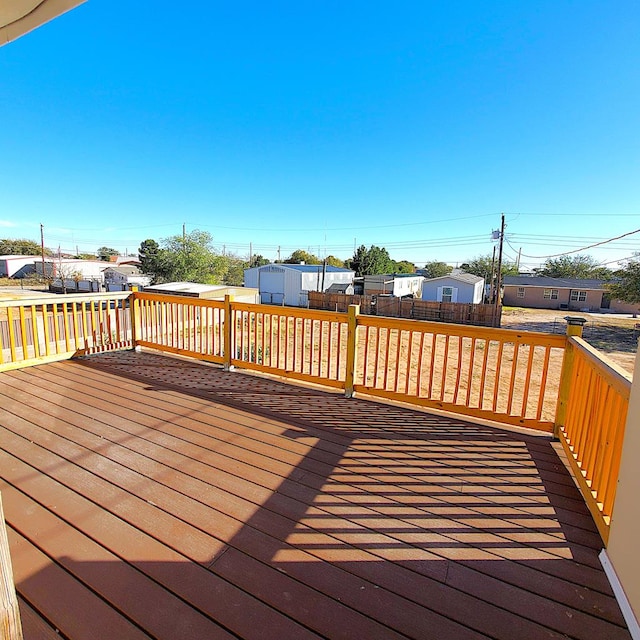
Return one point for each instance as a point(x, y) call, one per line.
point(44, 275)
point(250, 253)
point(518, 260)
point(493, 275)
point(278, 254)
point(499, 279)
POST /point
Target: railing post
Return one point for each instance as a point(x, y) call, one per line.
point(574, 328)
point(10, 625)
point(134, 310)
point(352, 325)
point(228, 333)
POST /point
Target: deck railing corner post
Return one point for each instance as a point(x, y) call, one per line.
point(574, 329)
point(228, 333)
point(352, 326)
point(134, 309)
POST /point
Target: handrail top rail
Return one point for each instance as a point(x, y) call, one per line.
point(296, 312)
point(613, 373)
point(60, 298)
point(465, 330)
point(178, 299)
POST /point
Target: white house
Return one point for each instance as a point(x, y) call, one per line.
point(397, 284)
point(462, 287)
point(71, 267)
point(115, 278)
point(289, 284)
point(17, 266)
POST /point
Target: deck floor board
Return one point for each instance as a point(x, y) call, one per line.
point(245, 507)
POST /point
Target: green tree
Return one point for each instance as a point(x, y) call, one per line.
point(435, 269)
point(482, 266)
point(580, 266)
point(404, 266)
point(190, 258)
point(21, 247)
point(374, 260)
point(335, 262)
point(258, 261)
point(299, 256)
point(148, 256)
point(104, 253)
point(626, 286)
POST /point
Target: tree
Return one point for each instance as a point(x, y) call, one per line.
point(300, 256)
point(190, 258)
point(404, 266)
point(148, 255)
point(580, 266)
point(374, 260)
point(626, 287)
point(435, 269)
point(21, 247)
point(257, 261)
point(332, 261)
point(105, 252)
point(482, 266)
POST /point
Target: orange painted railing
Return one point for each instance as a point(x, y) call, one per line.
point(179, 324)
point(39, 330)
point(530, 379)
point(591, 423)
point(502, 375)
point(298, 343)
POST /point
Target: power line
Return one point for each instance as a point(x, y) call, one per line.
point(591, 246)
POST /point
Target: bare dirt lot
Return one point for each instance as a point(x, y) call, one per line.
point(615, 335)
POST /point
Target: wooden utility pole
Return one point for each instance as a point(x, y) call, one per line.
point(499, 278)
point(44, 275)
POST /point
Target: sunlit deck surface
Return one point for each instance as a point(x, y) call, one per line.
point(149, 496)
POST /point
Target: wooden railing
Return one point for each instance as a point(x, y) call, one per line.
point(591, 419)
point(178, 324)
point(39, 330)
point(535, 380)
point(298, 343)
point(502, 375)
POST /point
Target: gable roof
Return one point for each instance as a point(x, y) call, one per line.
point(553, 283)
point(125, 270)
point(469, 278)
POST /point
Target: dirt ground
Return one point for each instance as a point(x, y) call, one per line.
point(615, 335)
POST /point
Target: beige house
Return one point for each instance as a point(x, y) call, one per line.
point(566, 294)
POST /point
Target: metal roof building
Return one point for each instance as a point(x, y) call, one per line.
point(288, 284)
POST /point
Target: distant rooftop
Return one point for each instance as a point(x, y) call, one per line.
point(556, 283)
point(308, 268)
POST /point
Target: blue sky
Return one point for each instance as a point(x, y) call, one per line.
point(322, 125)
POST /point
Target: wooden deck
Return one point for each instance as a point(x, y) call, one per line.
point(149, 496)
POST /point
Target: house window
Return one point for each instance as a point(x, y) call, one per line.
point(520, 292)
point(447, 294)
point(578, 296)
point(550, 294)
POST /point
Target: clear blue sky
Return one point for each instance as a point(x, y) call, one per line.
point(324, 124)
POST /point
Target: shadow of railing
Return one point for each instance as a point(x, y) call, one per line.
point(352, 518)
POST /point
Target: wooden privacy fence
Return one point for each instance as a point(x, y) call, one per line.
point(38, 330)
point(591, 420)
point(482, 315)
